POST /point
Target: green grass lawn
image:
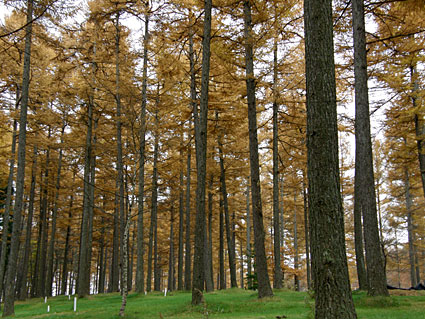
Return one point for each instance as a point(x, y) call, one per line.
point(232, 303)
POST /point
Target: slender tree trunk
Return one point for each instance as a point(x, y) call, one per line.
point(278, 275)
point(181, 222)
point(124, 286)
point(66, 250)
point(188, 258)
point(296, 279)
point(171, 252)
point(101, 280)
point(140, 272)
point(377, 283)
point(154, 212)
point(409, 204)
point(8, 203)
point(201, 162)
point(209, 276)
point(10, 288)
point(306, 234)
point(22, 286)
point(329, 262)
point(50, 273)
point(264, 288)
point(230, 243)
point(222, 283)
point(248, 238)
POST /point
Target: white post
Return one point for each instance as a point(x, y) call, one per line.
point(145, 293)
point(48, 308)
point(69, 297)
point(45, 299)
point(75, 304)
point(165, 292)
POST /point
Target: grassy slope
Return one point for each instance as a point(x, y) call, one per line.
point(232, 303)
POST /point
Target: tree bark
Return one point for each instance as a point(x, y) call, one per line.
point(209, 276)
point(377, 283)
point(154, 212)
point(188, 258)
point(264, 288)
point(329, 262)
point(409, 204)
point(307, 235)
point(171, 251)
point(181, 221)
point(296, 265)
point(10, 288)
point(248, 238)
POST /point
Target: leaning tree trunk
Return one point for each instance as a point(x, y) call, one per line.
point(377, 283)
point(10, 289)
point(264, 288)
point(201, 162)
point(331, 282)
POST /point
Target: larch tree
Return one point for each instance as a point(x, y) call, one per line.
point(329, 264)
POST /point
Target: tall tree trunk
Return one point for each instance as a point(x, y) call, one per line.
point(409, 205)
point(209, 276)
point(264, 288)
point(124, 285)
point(222, 283)
point(67, 239)
point(51, 249)
point(43, 228)
point(154, 212)
point(201, 162)
point(229, 236)
point(10, 288)
point(181, 221)
point(22, 286)
point(171, 252)
point(140, 272)
point(329, 262)
point(188, 258)
point(278, 275)
point(248, 238)
point(296, 279)
point(377, 283)
point(8, 203)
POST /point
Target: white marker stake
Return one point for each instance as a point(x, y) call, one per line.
point(69, 297)
point(146, 293)
point(48, 308)
point(165, 292)
point(45, 299)
point(75, 304)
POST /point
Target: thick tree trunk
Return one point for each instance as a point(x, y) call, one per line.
point(264, 288)
point(364, 179)
point(10, 288)
point(329, 263)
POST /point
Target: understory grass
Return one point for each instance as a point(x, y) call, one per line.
point(231, 303)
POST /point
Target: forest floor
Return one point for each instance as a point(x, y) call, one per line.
point(231, 303)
